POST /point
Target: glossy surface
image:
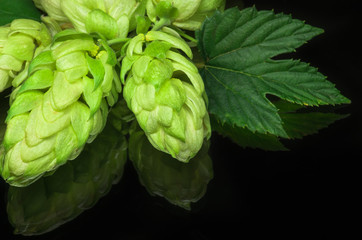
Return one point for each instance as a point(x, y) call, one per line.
point(293, 192)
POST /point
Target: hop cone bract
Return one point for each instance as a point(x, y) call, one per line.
point(111, 18)
point(189, 13)
point(61, 106)
point(166, 93)
point(53, 9)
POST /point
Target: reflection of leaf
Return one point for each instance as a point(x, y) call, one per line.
point(179, 183)
point(300, 121)
point(78, 185)
point(14, 9)
point(245, 138)
point(240, 70)
point(297, 122)
point(298, 125)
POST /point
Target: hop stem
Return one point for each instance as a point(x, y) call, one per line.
point(117, 40)
point(161, 23)
point(184, 35)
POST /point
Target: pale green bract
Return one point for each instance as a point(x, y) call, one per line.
point(58, 109)
point(53, 9)
point(20, 41)
point(166, 93)
point(110, 18)
point(190, 13)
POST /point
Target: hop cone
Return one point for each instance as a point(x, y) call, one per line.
point(180, 184)
point(61, 106)
point(165, 92)
point(3, 108)
point(187, 14)
point(53, 9)
point(111, 18)
point(19, 42)
point(73, 188)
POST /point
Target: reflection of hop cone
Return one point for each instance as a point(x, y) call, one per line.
point(59, 108)
point(19, 42)
point(172, 112)
point(73, 188)
point(181, 184)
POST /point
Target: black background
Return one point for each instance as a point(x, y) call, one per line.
point(308, 192)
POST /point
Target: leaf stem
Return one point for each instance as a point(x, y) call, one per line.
point(184, 35)
point(161, 23)
point(199, 65)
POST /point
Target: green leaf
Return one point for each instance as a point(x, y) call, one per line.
point(239, 72)
point(14, 9)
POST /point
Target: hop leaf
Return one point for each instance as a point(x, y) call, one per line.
point(18, 9)
point(238, 47)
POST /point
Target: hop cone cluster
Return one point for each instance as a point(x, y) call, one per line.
point(165, 92)
point(20, 41)
point(73, 188)
point(67, 73)
point(59, 107)
point(111, 18)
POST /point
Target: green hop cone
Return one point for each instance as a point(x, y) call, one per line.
point(60, 107)
point(3, 109)
point(19, 43)
point(166, 93)
point(180, 184)
point(72, 189)
point(53, 10)
point(112, 18)
point(189, 13)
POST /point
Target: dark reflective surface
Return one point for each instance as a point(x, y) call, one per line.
point(274, 194)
